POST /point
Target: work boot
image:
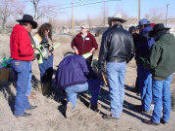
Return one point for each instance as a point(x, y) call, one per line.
point(163, 122)
point(150, 122)
point(23, 115)
point(109, 117)
point(69, 110)
point(94, 108)
point(32, 108)
point(140, 109)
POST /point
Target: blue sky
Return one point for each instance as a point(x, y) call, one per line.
point(130, 7)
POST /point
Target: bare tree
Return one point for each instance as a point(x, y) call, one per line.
point(9, 8)
point(35, 4)
point(155, 15)
point(5, 11)
point(42, 9)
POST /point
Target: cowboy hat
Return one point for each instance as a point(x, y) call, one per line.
point(85, 26)
point(159, 27)
point(28, 18)
point(117, 17)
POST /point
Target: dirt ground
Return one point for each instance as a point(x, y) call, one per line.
point(49, 116)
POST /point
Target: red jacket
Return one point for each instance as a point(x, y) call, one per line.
point(86, 45)
point(20, 44)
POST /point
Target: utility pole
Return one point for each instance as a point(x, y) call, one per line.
point(72, 21)
point(104, 13)
point(139, 10)
point(167, 14)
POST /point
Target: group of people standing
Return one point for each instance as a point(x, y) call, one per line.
point(151, 44)
point(154, 56)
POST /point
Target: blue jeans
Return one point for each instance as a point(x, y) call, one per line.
point(45, 66)
point(73, 90)
point(94, 89)
point(161, 96)
point(22, 70)
point(116, 77)
point(28, 93)
point(145, 86)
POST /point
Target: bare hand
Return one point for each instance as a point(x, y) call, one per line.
point(76, 51)
point(92, 51)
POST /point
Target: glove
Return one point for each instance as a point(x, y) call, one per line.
point(37, 56)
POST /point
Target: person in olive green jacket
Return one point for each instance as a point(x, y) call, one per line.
point(162, 64)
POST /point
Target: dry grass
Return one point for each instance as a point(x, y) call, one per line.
point(48, 116)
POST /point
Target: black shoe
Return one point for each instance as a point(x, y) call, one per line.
point(32, 107)
point(109, 117)
point(94, 108)
point(23, 115)
point(140, 109)
point(163, 122)
point(150, 122)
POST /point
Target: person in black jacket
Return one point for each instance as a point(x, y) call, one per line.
point(143, 45)
point(116, 50)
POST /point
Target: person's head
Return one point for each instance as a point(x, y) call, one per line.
point(143, 23)
point(84, 28)
point(137, 30)
point(158, 31)
point(28, 22)
point(27, 25)
point(116, 20)
point(45, 30)
point(115, 23)
point(132, 29)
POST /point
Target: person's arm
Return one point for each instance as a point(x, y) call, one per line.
point(155, 55)
point(73, 45)
point(94, 43)
point(37, 47)
point(132, 47)
point(103, 52)
point(25, 45)
point(83, 65)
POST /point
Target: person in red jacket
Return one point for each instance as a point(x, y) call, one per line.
point(84, 42)
point(22, 55)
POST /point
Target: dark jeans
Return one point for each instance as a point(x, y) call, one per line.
point(94, 82)
point(94, 89)
point(46, 69)
point(145, 86)
point(22, 70)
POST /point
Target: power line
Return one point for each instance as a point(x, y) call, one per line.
point(93, 3)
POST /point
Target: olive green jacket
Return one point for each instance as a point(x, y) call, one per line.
point(162, 57)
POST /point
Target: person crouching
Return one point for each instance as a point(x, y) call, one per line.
point(71, 76)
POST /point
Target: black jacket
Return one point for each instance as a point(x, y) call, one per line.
point(116, 46)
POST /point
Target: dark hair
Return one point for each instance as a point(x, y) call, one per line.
point(24, 23)
point(43, 28)
point(132, 29)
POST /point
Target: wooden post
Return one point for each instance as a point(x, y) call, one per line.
point(167, 14)
point(139, 10)
point(72, 23)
